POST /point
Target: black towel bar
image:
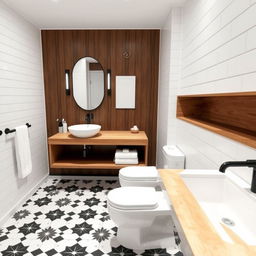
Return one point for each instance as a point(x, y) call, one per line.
point(7, 130)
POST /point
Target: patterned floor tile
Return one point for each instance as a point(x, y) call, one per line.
point(66, 218)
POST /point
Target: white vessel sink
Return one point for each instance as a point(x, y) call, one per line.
point(224, 196)
point(84, 130)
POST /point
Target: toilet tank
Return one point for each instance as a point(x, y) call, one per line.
point(174, 158)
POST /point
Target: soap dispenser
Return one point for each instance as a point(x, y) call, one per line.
point(60, 126)
point(65, 125)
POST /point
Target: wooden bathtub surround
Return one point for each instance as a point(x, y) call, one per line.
point(201, 236)
point(65, 150)
point(232, 115)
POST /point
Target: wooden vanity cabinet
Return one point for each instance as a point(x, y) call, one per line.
point(66, 151)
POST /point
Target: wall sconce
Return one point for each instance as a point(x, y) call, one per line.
point(67, 79)
point(109, 81)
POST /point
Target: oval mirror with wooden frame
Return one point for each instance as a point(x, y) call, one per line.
point(88, 83)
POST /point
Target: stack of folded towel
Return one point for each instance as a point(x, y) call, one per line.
point(126, 156)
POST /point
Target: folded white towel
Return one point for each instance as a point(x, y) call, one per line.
point(126, 161)
point(23, 153)
point(131, 154)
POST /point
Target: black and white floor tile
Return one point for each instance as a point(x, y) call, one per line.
point(67, 218)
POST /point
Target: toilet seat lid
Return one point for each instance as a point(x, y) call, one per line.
point(147, 173)
point(133, 198)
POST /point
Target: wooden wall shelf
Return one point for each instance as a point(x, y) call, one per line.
point(65, 150)
point(232, 115)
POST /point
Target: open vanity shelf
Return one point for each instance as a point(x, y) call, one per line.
point(232, 115)
point(66, 151)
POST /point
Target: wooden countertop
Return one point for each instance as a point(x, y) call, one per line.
point(102, 138)
point(203, 239)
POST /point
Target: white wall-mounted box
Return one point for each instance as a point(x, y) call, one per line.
point(125, 92)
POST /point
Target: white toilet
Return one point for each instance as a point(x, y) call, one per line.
point(142, 214)
point(139, 176)
point(148, 176)
point(143, 217)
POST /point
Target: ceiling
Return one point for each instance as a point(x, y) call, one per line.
point(75, 14)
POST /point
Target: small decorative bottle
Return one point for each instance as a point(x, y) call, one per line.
point(60, 126)
point(65, 125)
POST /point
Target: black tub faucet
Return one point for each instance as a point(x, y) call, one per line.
point(247, 163)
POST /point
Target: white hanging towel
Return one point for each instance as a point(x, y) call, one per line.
point(23, 153)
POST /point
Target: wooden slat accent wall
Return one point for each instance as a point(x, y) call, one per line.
point(63, 48)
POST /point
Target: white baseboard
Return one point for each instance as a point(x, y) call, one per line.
point(77, 177)
point(10, 213)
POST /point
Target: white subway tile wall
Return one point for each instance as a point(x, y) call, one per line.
point(163, 89)
point(21, 101)
point(218, 55)
point(169, 80)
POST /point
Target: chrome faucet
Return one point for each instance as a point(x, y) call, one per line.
point(247, 163)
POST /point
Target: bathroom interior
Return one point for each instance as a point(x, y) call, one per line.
point(128, 127)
